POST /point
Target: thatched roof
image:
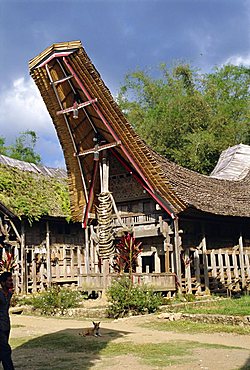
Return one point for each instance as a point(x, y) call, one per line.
point(31, 167)
point(32, 191)
point(174, 187)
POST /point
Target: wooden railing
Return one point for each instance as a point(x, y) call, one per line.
point(158, 281)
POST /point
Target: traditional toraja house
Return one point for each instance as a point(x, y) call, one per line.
point(195, 229)
point(35, 226)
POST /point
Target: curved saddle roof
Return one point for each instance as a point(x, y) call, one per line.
point(89, 121)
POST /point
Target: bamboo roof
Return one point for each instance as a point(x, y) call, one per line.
point(32, 191)
point(65, 74)
point(31, 167)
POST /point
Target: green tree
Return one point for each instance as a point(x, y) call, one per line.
point(23, 148)
point(3, 148)
point(186, 116)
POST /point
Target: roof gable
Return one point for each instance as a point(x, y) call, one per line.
point(88, 121)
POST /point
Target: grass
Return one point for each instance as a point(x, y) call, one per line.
point(225, 306)
point(196, 327)
point(67, 350)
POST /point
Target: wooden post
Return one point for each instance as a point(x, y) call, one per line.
point(72, 265)
point(105, 267)
point(58, 267)
point(187, 272)
point(213, 264)
point(79, 265)
point(104, 175)
point(92, 250)
point(221, 267)
point(33, 271)
point(236, 271)
point(157, 262)
point(42, 277)
point(48, 259)
point(242, 269)
point(64, 262)
point(227, 261)
point(177, 252)
point(247, 264)
point(204, 257)
point(197, 270)
point(139, 266)
point(86, 251)
point(23, 261)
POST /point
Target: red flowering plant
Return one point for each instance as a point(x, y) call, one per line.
point(8, 263)
point(127, 252)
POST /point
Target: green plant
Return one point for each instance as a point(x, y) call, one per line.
point(124, 298)
point(56, 300)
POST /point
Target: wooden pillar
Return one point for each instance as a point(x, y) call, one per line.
point(247, 263)
point(104, 176)
point(139, 266)
point(227, 261)
point(242, 267)
point(197, 270)
point(188, 283)
point(33, 271)
point(79, 265)
point(86, 259)
point(167, 260)
point(48, 259)
point(221, 267)
point(166, 231)
point(92, 250)
point(72, 265)
point(205, 265)
point(58, 254)
point(236, 271)
point(157, 261)
point(42, 277)
point(213, 264)
point(177, 252)
point(23, 261)
point(64, 262)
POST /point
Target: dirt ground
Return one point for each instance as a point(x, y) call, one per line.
point(210, 358)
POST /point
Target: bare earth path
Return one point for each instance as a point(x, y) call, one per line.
point(131, 331)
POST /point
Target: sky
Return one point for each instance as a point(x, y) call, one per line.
point(119, 36)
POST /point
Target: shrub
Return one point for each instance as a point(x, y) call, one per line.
point(56, 300)
point(125, 298)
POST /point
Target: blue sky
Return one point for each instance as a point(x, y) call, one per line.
point(119, 36)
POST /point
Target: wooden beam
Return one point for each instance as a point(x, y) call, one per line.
point(98, 148)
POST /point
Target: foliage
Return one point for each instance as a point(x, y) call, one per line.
point(56, 300)
point(3, 149)
point(125, 298)
point(31, 195)
point(23, 148)
point(189, 117)
point(127, 252)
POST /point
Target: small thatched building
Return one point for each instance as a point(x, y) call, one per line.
point(35, 225)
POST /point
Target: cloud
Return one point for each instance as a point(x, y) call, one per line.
point(239, 60)
point(22, 109)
